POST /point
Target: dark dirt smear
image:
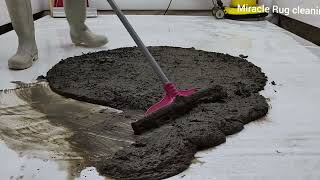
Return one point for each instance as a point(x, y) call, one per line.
point(122, 79)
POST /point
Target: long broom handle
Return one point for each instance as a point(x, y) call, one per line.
point(139, 42)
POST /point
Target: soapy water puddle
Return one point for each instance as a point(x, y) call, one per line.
point(34, 146)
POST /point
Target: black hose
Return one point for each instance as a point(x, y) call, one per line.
point(165, 13)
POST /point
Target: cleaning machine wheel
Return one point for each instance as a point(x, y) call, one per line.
point(218, 13)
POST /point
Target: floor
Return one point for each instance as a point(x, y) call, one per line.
point(283, 145)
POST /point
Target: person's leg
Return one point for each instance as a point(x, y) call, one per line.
point(22, 21)
point(80, 34)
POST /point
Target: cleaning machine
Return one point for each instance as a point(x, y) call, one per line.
point(239, 10)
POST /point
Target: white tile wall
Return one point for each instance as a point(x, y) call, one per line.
point(310, 19)
point(155, 4)
point(37, 6)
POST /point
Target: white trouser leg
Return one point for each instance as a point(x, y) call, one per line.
point(80, 34)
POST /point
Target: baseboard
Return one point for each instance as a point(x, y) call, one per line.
point(306, 31)
point(8, 27)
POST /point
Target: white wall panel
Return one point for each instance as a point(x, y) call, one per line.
point(4, 17)
point(163, 4)
point(132, 4)
point(193, 4)
point(267, 3)
point(202, 4)
point(157, 4)
point(37, 6)
point(309, 19)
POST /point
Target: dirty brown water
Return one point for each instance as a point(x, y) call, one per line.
point(31, 119)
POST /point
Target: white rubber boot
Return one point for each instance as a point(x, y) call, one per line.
point(22, 21)
point(80, 34)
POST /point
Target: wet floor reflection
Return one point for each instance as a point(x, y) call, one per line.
point(43, 134)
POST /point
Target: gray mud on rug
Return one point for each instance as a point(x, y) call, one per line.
point(122, 79)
